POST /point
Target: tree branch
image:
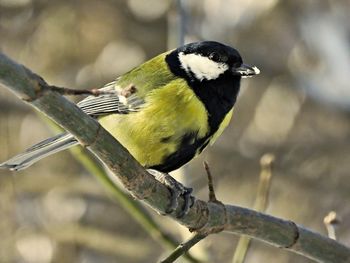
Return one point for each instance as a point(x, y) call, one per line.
point(203, 216)
point(261, 202)
point(183, 248)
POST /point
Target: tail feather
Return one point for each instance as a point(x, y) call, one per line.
point(39, 151)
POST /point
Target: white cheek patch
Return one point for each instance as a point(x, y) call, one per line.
point(201, 67)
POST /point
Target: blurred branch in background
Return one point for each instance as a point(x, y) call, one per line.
point(261, 203)
point(182, 21)
point(331, 221)
point(177, 23)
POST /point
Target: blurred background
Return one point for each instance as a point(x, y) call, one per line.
point(298, 109)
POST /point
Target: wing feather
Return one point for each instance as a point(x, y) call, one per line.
point(115, 102)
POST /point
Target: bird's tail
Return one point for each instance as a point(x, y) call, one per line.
point(39, 151)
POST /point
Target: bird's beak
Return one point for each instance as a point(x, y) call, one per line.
point(245, 71)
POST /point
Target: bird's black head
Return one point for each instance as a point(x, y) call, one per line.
point(207, 61)
point(213, 70)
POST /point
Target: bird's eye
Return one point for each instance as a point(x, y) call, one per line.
point(214, 56)
point(224, 58)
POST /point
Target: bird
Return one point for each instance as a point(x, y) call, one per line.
point(165, 111)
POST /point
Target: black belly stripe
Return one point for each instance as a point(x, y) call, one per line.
point(188, 148)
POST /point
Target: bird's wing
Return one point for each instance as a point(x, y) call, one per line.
point(130, 89)
point(120, 101)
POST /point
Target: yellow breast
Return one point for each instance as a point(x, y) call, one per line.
point(155, 132)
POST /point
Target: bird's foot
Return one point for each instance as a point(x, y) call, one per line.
point(176, 190)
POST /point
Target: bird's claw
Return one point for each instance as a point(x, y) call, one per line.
point(176, 190)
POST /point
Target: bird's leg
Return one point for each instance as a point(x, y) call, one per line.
point(176, 190)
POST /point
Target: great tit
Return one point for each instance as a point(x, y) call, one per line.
point(165, 111)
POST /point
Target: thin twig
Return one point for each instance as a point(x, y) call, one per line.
point(260, 204)
point(266, 163)
point(212, 196)
point(331, 221)
point(76, 92)
point(184, 247)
